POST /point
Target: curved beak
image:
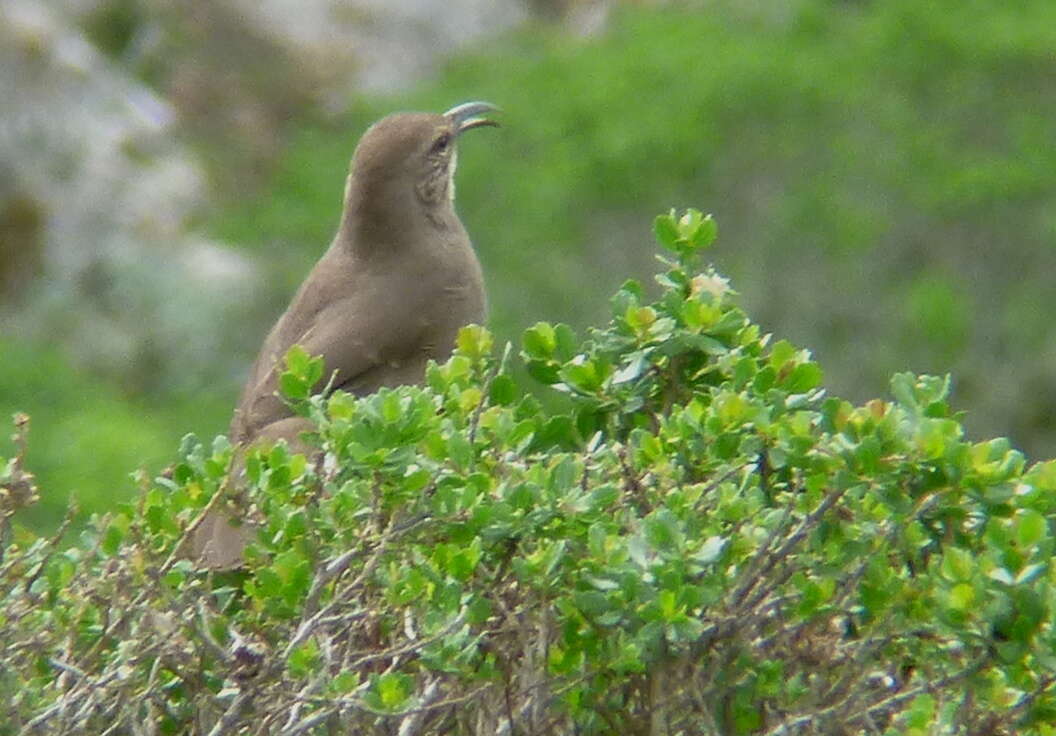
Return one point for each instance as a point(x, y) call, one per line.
point(467, 116)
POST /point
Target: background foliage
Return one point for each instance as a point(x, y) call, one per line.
point(885, 169)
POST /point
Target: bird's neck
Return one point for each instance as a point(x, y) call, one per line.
point(376, 223)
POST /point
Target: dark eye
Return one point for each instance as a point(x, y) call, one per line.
point(440, 144)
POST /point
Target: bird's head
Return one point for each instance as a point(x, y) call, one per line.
point(411, 156)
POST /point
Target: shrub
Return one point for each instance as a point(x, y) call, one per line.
point(700, 542)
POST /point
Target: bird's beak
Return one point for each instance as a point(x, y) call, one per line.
point(467, 116)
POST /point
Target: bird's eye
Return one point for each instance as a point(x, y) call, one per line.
point(441, 143)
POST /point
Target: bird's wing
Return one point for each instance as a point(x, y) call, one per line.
point(364, 333)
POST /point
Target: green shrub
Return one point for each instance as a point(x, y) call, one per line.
point(702, 543)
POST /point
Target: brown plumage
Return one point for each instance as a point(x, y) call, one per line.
point(398, 281)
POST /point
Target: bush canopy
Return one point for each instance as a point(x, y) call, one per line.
point(698, 541)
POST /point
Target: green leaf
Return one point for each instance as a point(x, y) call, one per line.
point(921, 711)
point(935, 437)
point(903, 389)
point(559, 431)
point(474, 341)
point(593, 603)
point(867, 455)
point(345, 682)
point(315, 371)
point(297, 360)
point(803, 378)
point(265, 584)
point(962, 597)
point(663, 531)
point(459, 450)
point(666, 230)
point(782, 352)
point(293, 386)
point(1031, 528)
point(957, 564)
point(393, 690)
point(279, 455)
point(304, 659)
point(584, 377)
point(704, 232)
point(544, 372)
point(462, 562)
point(604, 496)
point(1043, 475)
point(539, 341)
point(115, 534)
point(565, 342)
point(503, 391)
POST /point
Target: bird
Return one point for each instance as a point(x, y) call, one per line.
point(397, 283)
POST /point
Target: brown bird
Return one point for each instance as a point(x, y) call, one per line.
point(398, 281)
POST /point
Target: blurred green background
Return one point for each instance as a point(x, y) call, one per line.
point(883, 175)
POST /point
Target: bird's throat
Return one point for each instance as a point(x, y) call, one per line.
point(376, 222)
